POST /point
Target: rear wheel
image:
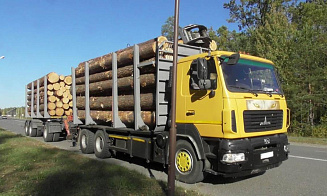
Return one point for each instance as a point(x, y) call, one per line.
point(31, 131)
point(101, 145)
point(187, 166)
point(47, 137)
point(39, 132)
point(26, 127)
point(86, 141)
point(56, 137)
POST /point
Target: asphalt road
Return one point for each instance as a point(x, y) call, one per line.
point(304, 173)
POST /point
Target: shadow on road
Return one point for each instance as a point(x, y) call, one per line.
point(141, 162)
point(92, 177)
point(212, 179)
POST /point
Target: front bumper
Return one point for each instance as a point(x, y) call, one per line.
point(256, 150)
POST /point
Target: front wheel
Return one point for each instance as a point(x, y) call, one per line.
point(188, 168)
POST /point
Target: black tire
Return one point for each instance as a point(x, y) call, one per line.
point(47, 137)
point(39, 133)
point(101, 145)
point(188, 168)
point(86, 141)
point(32, 131)
point(56, 137)
point(26, 127)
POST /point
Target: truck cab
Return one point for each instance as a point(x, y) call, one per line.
point(236, 105)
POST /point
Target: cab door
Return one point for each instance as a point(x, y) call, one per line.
point(199, 99)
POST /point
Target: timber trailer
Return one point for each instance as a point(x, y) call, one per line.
point(41, 122)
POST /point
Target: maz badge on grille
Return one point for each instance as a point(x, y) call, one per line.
point(265, 122)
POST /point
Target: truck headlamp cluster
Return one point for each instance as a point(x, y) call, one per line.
point(233, 158)
point(287, 148)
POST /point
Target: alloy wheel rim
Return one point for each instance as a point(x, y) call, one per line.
point(45, 134)
point(99, 143)
point(26, 129)
point(83, 140)
point(30, 130)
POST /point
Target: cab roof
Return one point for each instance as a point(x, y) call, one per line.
point(226, 53)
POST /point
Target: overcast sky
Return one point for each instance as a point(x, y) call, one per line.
point(42, 36)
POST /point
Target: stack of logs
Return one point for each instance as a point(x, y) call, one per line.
point(59, 101)
point(100, 78)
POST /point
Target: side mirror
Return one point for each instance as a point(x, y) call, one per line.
point(203, 74)
point(202, 69)
point(233, 59)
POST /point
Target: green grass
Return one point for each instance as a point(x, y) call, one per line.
point(307, 140)
point(29, 167)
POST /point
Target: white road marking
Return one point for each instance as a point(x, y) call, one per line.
point(308, 158)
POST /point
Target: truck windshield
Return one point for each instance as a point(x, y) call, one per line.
point(251, 76)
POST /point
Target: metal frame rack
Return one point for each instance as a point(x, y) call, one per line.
point(162, 76)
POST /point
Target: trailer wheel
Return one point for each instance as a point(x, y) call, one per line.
point(56, 137)
point(26, 127)
point(47, 137)
point(39, 133)
point(86, 141)
point(101, 145)
point(31, 131)
point(187, 166)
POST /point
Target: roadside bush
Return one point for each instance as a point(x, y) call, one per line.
point(295, 128)
point(300, 129)
point(305, 130)
point(320, 131)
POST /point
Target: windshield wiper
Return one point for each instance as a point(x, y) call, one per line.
point(270, 93)
point(254, 92)
point(243, 88)
point(265, 92)
point(281, 95)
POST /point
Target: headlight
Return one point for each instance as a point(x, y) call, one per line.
point(287, 148)
point(233, 158)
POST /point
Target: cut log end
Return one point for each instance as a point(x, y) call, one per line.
point(160, 39)
point(56, 86)
point(60, 111)
point(61, 77)
point(51, 106)
point(68, 80)
point(53, 77)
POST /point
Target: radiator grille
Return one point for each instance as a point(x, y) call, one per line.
point(262, 120)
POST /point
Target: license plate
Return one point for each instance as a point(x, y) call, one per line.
point(267, 155)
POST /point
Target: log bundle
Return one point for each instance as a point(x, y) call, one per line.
point(59, 98)
point(101, 83)
point(58, 94)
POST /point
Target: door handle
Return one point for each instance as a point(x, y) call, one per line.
point(190, 112)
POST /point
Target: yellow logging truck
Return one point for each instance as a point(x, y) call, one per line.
point(231, 113)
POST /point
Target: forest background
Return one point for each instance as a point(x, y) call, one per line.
point(293, 34)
